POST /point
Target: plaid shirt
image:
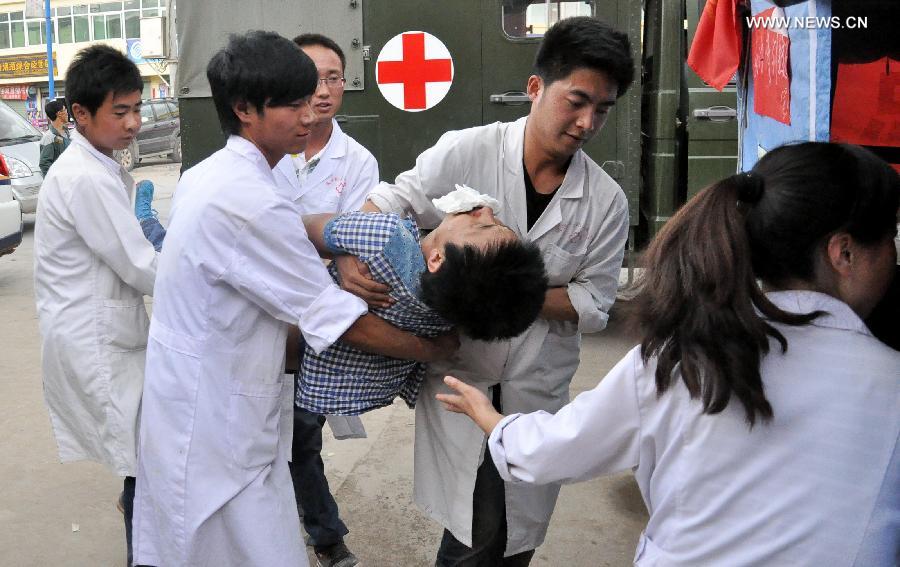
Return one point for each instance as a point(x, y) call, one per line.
point(348, 381)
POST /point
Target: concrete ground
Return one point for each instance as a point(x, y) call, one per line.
point(55, 514)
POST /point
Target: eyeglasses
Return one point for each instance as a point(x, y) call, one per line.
point(333, 82)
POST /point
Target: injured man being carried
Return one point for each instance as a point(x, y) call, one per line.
point(472, 273)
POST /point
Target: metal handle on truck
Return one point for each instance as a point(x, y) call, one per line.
point(510, 97)
point(716, 113)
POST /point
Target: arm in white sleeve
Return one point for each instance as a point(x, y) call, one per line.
point(592, 290)
point(275, 266)
point(104, 218)
point(597, 433)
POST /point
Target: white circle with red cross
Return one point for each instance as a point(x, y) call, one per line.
point(414, 71)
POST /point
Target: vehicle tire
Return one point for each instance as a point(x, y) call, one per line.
point(176, 150)
point(128, 157)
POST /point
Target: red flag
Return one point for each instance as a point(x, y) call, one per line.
point(716, 49)
point(771, 48)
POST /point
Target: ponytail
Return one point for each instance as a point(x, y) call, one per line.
point(701, 312)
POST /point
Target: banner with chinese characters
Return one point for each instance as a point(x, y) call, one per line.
point(27, 65)
point(14, 92)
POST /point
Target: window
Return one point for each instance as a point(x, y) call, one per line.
point(531, 18)
point(4, 31)
point(133, 24)
point(17, 29)
point(113, 25)
point(99, 25)
point(64, 30)
point(82, 28)
point(163, 111)
point(106, 7)
point(146, 114)
point(35, 37)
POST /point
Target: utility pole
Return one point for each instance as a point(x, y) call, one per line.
point(49, 27)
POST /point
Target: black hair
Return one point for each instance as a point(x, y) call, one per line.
point(490, 294)
point(701, 311)
point(97, 71)
point(305, 39)
point(585, 42)
point(262, 69)
point(52, 108)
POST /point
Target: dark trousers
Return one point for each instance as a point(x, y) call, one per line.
point(128, 506)
point(314, 500)
point(488, 523)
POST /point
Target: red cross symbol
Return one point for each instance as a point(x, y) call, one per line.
point(414, 71)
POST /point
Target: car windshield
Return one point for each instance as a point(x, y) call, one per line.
point(15, 129)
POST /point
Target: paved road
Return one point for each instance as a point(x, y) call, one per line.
point(54, 514)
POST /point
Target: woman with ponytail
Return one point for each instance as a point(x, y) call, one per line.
point(759, 414)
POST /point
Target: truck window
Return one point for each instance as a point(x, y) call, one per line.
point(523, 19)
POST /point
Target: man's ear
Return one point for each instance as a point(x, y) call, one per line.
point(80, 113)
point(435, 259)
point(534, 87)
point(839, 252)
point(244, 111)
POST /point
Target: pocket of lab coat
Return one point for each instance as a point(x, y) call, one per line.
point(560, 265)
point(253, 418)
point(124, 324)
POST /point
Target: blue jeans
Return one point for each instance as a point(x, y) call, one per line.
point(488, 523)
point(154, 232)
point(314, 499)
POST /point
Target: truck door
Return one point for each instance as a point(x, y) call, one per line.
point(712, 127)
point(397, 136)
point(511, 32)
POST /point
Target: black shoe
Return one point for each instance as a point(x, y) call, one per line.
point(336, 555)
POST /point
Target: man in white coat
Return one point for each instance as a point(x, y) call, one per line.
point(236, 271)
point(333, 174)
point(92, 269)
point(554, 195)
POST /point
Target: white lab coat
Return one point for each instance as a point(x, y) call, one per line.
point(339, 183)
point(236, 271)
point(92, 268)
point(818, 485)
point(582, 236)
point(345, 174)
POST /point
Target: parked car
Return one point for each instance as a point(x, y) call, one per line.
point(10, 213)
point(160, 133)
point(20, 145)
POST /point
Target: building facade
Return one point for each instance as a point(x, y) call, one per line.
point(24, 82)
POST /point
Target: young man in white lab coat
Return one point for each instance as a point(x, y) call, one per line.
point(333, 174)
point(236, 271)
point(92, 269)
point(555, 196)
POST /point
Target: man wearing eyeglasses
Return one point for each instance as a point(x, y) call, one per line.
point(332, 175)
point(335, 172)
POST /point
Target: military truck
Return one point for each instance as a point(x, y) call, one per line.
point(669, 136)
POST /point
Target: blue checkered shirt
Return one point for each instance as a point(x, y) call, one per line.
point(348, 381)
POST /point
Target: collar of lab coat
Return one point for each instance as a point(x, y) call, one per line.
point(572, 186)
point(334, 151)
point(108, 162)
point(837, 314)
point(248, 150)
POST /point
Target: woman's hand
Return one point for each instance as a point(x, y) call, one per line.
point(472, 402)
point(356, 279)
